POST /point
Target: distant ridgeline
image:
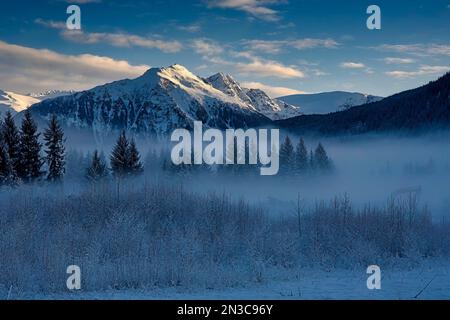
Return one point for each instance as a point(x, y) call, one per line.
point(427, 107)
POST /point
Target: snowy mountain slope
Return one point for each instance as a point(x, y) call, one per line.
point(50, 94)
point(326, 102)
point(256, 99)
point(16, 102)
point(157, 102)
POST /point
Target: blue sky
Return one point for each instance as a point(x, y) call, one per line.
point(281, 46)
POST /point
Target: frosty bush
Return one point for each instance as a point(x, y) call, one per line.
point(161, 235)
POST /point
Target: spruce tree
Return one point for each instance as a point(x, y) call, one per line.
point(301, 157)
point(11, 140)
point(55, 151)
point(287, 156)
point(97, 168)
point(30, 148)
point(321, 158)
point(134, 159)
point(8, 176)
point(119, 156)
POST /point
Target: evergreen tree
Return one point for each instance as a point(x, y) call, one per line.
point(301, 157)
point(134, 159)
point(119, 156)
point(30, 148)
point(11, 140)
point(287, 157)
point(97, 169)
point(55, 151)
point(321, 159)
point(7, 174)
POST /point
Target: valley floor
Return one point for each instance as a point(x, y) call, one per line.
point(428, 281)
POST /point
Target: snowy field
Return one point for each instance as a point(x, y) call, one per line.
point(431, 280)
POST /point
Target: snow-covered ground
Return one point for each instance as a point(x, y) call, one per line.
point(428, 281)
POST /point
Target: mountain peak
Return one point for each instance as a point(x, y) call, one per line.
point(178, 67)
point(225, 83)
point(175, 73)
point(221, 77)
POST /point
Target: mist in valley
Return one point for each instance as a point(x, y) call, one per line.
point(369, 169)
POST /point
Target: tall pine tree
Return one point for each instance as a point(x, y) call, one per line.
point(134, 159)
point(301, 157)
point(55, 151)
point(30, 148)
point(8, 176)
point(119, 156)
point(11, 140)
point(97, 169)
point(125, 158)
point(287, 157)
point(321, 159)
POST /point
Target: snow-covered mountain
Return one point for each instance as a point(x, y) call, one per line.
point(163, 99)
point(326, 102)
point(255, 98)
point(416, 110)
point(50, 94)
point(16, 102)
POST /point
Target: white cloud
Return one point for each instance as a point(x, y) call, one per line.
point(256, 66)
point(310, 43)
point(390, 60)
point(432, 49)
point(352, 65)
point(51, 24)
point(276, 46)
point(27, 69)
point(320, 73)
point(422, 71)
point(273, 92)
point(256, 8)
point(206, 47)
point(121, 40)
point(192, 28)
point(115, 39)
point(268, 68)
point(266, 46)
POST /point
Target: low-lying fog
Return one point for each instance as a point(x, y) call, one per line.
point(369, 168)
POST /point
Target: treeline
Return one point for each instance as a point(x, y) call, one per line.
point(21, 160)
point(25, 159)
point(125, 161)
point(298, 160)
point(293, 161)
